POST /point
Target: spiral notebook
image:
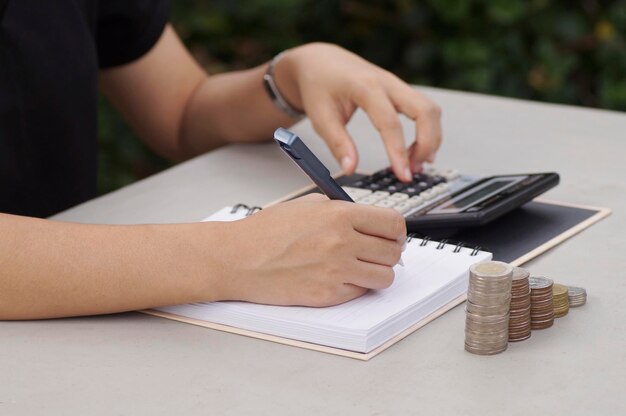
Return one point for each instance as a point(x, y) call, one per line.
point(433, 280)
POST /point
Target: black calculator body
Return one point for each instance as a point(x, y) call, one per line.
point(447, 199)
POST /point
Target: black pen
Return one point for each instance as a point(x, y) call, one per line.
point(312, 166)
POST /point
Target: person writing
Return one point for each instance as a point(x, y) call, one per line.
point(309, 251)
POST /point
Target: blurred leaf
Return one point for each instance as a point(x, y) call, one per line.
point(562, 51)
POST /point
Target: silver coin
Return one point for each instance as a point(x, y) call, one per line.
point(491, 269)
point(538, 282)
point(520, 274)
point(576, 291)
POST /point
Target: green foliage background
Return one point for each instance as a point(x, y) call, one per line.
point(569, 51)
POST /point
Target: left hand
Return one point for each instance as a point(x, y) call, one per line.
point(330, 83)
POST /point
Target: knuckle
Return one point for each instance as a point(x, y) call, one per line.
point(390, 122)
point(398, 225)
point(432, 109)
point(341, 211)
point(387, 278)
point(396, 253)
point(336, 146)
point(333, 242)
point(398, 149)
point(369, 80)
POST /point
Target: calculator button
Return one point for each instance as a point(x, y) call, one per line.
point(359, 184)
point(386, 203)
point(398, 197)
point(428, 194)
point(381, 194)
point(451, 174)
point(412, 191)
point(373, 198)
point(374, 186)
point(356, 193)
point(394, 188)
point(416, 201)
point(436, 191)
point(402, 207)
point(386, 181)
point(368, 200)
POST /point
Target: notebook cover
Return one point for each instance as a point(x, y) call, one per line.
point(531, 230)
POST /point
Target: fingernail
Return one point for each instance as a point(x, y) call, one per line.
point(346, 163)
point(431, 159)
point(417, 167)
point(404, 245)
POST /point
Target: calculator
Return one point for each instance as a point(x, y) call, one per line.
point(447, 198)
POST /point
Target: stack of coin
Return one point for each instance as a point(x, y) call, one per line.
point(519, 315)
point(541, 303)
point(577, 296)
point(561, 301)
point(487, 313)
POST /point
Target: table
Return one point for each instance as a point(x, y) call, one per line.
point(136, 364)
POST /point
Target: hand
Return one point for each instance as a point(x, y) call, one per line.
point(330, 83)
point(312, 251)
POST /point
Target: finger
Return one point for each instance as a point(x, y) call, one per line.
point(427, 116)
point(371, 276)
point(416, 165)
point(377, 250)
point(313, 196)
point(379, 222)
point(347, 292)
point(328, 122)
point(384, 117)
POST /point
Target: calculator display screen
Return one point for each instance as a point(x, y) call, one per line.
point(476, 194)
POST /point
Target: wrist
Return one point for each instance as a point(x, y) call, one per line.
point(284, 74)
point(200, 252)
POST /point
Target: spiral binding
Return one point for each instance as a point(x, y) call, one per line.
point(458, 245)
point(249, 210)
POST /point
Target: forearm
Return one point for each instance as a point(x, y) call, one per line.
point(52, 269)
point(233, 107)
point(180, 111)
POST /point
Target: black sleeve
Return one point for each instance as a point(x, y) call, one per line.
point(127, 29)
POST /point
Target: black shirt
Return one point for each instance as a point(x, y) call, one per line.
point(50, 52)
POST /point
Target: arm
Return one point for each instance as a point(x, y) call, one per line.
point(180, 111)
point(54, 269)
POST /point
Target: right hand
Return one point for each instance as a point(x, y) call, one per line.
point(312, 252)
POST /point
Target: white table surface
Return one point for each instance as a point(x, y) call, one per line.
point(133, 364)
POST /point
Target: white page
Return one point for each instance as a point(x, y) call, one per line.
point(428, 273)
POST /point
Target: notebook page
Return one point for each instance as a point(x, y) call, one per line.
point(431, 278)
point(426, 271)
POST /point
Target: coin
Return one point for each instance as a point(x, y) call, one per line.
point(561, 300)
point(519, 313)
point(487, 310)
point(541, 302)
point(577, 296)
point(538, 282)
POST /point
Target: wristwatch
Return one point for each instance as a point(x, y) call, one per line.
point(272, 90)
